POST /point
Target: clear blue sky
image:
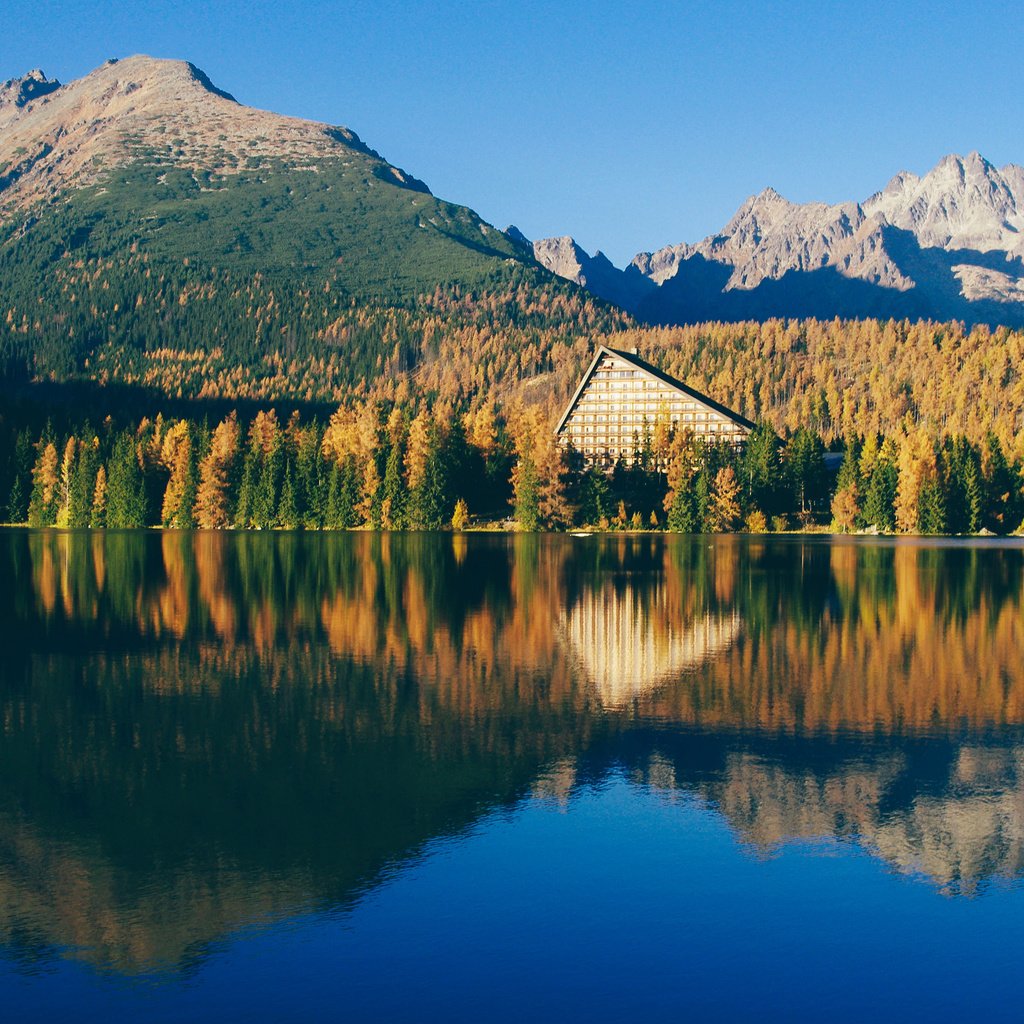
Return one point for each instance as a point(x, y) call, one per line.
point(627, 125)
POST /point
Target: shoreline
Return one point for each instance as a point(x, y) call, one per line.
point(578, 534)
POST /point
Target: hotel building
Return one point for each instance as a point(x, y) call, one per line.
point(621, 399)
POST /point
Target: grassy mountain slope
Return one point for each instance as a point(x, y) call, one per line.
point(145, 215)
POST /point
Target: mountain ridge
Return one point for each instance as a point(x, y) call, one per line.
point(945, 245)
point(149, 222)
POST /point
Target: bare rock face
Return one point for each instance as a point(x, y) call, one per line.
point(949, 244)
point(963, 203)
point(16, 93)
point(564, 257)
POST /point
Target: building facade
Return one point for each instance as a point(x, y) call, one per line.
point(622, 399)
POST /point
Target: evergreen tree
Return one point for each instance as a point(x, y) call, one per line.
point(1000, 510)
point(593, 497)
point(311, 479)
point(760, 470)
point(931, 508)
point(805, 466)
point(430, 507)
point(22, 460)
point(526, 489)
point(288, 515)
point(332, 504)
point(702, 497)
point(349, 496)
point(974, 494)
point(684, 514)
point(962, 479)
point(268, 489)
point(126, 488)
point(394, 506)
point(83, 485)
point(880, 499)
point(247, 488)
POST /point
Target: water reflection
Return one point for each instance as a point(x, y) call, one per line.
point(204, 731)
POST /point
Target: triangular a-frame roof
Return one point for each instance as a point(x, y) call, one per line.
point(642, 364)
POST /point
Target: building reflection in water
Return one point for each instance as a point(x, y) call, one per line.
point(201, 731)
point(626, 648)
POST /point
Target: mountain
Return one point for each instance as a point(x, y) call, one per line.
point(596, 273)
point(949, 245)
point(143, 210)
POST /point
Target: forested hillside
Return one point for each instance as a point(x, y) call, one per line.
point(154, 231)
point(179, 274)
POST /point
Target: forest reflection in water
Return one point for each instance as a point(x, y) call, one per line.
point(204, 731)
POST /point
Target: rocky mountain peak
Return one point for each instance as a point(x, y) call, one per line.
point(949, 243)
point(963, 202)
point(17, 92)
point(153, 110)
point(517, 236)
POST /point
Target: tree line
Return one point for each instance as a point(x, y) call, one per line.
point(414, 464)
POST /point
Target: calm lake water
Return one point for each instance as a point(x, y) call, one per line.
point(488, 778)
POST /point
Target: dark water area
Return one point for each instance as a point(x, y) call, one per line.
point(441, 777)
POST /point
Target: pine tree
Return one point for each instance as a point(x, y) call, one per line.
point(311, 479)
point(594, 497)
point(22, 460)
point(82, 487)
point(268, 489)
point(878, 508)
point(430, 507)
point(394, 506)
point(761, 469)
point(526, 489)
point(974, 494)
point(702, 500)
point(805, 465)
point(1000, 513)
point(349, 495)
point(126, 488)
point(288, 515)
point(247, 488)
point(683, 515)
point(931, 507)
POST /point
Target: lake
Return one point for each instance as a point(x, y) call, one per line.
point(484, 777)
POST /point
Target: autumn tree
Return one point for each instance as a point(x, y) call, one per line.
point(42, 510)
point(213, 509)
point(178, 456)
point(724, 510)
point(65, 482)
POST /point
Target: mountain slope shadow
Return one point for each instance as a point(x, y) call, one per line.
point(933, 270)
point(697, 293)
